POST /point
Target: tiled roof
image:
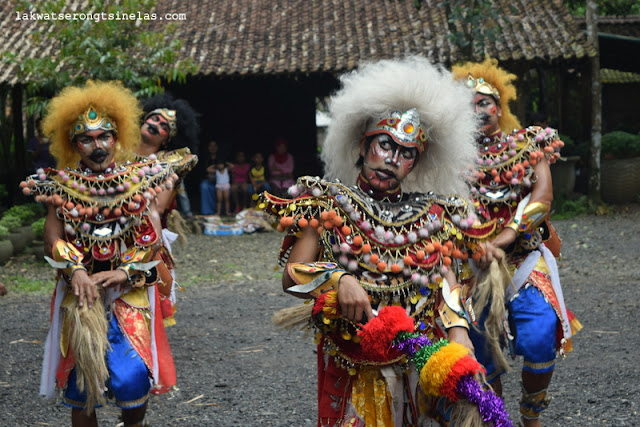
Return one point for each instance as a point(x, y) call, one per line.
point(628, 26)
point(252, 37)
point(616, 76)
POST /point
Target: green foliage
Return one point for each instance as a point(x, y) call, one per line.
point(563, 208)
point(100, 49)
point(38, 228)
point(605, 7)
point(26, 213)
point(4, 232)
point(11, 222)
point(573, 148)
point(21, 284)
point(471, 24)
point(620, 144)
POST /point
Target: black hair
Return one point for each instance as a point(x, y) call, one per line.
point(186, 121)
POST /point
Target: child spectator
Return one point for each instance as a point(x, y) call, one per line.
point(223, 186)
point(240, 182)
point(258, 175)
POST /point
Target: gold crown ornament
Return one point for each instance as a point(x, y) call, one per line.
point(92, 120)
point(481, 86)
point(170, 117)
point(405, 129)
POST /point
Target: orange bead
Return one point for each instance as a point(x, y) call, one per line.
point(286, 221)
point(280, 228)
point(421, 255)
point(357, 240)
point(23, 184)
point(107, 211)
point(338, 221)
point(476, 256)
point(437, 245)
point(69, 205)
point(302, 222)
point(444, 250)
point(395, 268)
point(314, 223)
point(430, 248)
point(57, 200)
point(328, 224)
point(449, 244)
point(407, 260)
point(457, 253)
point(332, 214)
point(494, 172)
point(345, 230)
point(366, 248)
point(26, 191)
point(525, 163)
point(137, 198)
point(496, 179)
point(446, 261)
point(117, 212)
point(319, 230)
point(382, 266)
point(374, 259)
point(324, 215)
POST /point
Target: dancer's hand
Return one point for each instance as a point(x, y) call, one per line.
point(460, 335)
point(110, 278)
point(354, 300)
point(491, 252)
point(84, 288)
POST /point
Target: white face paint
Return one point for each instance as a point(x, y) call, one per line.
point(386, 163)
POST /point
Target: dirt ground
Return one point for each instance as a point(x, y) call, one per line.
point(236, 369)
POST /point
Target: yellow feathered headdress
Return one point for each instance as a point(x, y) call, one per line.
point(109, 99)
point(497, 77)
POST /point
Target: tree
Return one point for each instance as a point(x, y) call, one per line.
point(99, 44)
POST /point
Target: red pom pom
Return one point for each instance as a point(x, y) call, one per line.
point(377, 335)
point(463, 367)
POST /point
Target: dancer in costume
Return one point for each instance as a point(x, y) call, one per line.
point(169, 133)
point(170, 127)
point(388, 227)
point(514, 192)
point(102, 233)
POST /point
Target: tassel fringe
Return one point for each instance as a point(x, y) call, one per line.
point(490, 289)
point(292, 317)
point(90, 344)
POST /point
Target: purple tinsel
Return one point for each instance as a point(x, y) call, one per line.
point(411, 345)
point(491, 407)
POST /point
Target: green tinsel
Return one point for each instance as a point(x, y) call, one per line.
point(422, 356)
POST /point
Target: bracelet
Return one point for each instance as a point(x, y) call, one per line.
point(126, 271)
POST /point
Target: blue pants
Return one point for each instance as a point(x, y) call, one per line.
point(207, 197)
point(533, 323)
point(128, 381)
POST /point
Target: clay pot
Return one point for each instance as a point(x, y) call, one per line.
point(6, 251)
point(37, 250)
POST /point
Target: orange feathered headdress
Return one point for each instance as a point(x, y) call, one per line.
point(109, 99)
point(497, 77)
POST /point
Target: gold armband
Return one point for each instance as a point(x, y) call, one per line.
point(135, 263)
point(450, 309)
point(314, 278)
point(529, 216)
point(66, 257)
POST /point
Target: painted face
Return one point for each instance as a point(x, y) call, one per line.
point(386, 163)
point(155, 131)
point(489, 112)
point(96, 148)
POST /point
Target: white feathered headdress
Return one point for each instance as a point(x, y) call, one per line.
point(446, 114)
